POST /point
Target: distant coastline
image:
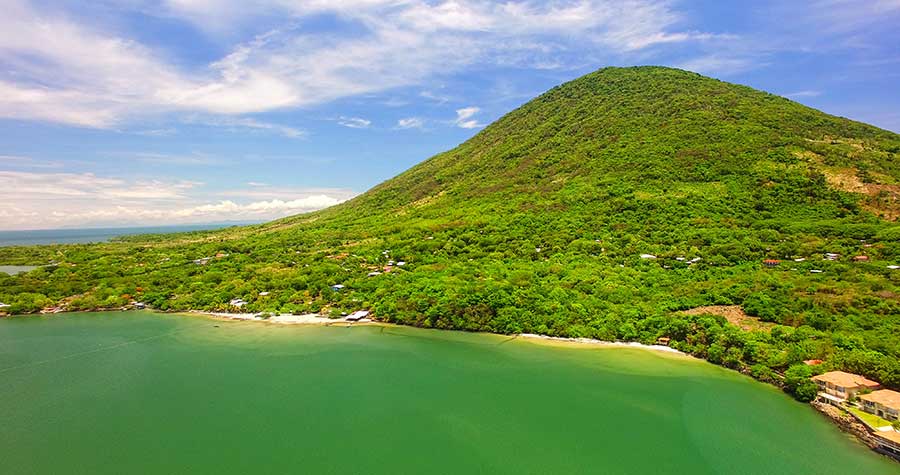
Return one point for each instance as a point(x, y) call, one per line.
point(92, 235)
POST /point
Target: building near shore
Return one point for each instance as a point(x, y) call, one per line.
point(357, 316)
point(889, 441)
point(841, 386)
point(883, 403)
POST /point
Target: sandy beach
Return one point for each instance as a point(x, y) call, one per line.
point(591, 341)
point(316, 319)
point(283, 319)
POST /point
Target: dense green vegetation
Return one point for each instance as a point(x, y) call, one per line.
point(537, 225)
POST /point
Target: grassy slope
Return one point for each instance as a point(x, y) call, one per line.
point(536, 224)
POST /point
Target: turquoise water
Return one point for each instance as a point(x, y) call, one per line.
point(138, 392)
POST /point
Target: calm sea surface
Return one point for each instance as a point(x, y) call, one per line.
point(70, 236)
point(140, 392)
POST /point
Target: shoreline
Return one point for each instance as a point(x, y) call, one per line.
point(278, 319)
point(316, 319)
point(600, 343)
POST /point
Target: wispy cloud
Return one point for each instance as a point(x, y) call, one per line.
point(175, 159)
point(28, 162)
point(411, 123)
point(246, 123)
point(801, 94)
point(720, 64)
point(167, 132)
point(45, 200)
point(75, 74)
point(354, 122)
point(464, 118)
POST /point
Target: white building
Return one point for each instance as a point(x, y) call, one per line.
point(357, 316)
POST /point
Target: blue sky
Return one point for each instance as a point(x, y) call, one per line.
point(187, 111)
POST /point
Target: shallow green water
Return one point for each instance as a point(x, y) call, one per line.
point(144, 393)
point(13, 270)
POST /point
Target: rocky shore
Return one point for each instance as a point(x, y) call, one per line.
point(847, 423)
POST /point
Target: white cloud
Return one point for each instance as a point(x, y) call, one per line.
point(167, 132)
point(841, 16)
point(243, 123)
point(28, 162)
point(464, 118)
point(354, 122)
point(720, 64)
point(410, 123)
point(48, 200)
point(170, 159)
point(801, 94)
point(64, 71)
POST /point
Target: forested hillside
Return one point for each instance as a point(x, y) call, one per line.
point(538, 224)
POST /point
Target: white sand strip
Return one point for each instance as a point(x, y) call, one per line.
point(591, 341)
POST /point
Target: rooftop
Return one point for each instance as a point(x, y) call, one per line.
point(885, 397)
point(890, 435)
point(845, 380)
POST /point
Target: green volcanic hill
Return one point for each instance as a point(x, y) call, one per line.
point(538, 224)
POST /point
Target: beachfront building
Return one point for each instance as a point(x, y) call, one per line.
point(357, 316)
point(4, 305)
point(238, 303)
point(889, 442)
point(837, 386)
point(883, 403)
point(337, 288)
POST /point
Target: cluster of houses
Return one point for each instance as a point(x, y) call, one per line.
point(679, 259)
point(847, 389)
point(205, 260)
point(828, 256)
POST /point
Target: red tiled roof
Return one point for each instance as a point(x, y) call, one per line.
point(885, 397)
point(845, 380)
